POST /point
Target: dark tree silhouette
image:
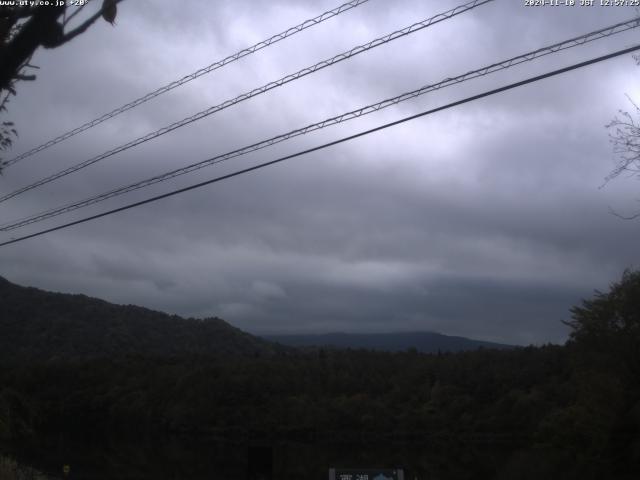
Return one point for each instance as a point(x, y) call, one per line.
point(24, 29)
point(608, 326)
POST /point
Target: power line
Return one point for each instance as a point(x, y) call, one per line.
point(504, 64)
point(257, 91)
point(187, 78)
point(329, 144)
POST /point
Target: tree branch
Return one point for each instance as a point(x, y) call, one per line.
point(70, 17)
point(28, 78)
point(36, 31)
point(83, 26)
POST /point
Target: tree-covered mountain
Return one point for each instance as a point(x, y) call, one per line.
point(570, 412)
point(424, 342)
point(36, 325)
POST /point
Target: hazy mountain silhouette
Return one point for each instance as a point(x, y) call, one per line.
point(426, 342)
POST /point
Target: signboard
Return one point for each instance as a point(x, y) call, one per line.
point(365, 474)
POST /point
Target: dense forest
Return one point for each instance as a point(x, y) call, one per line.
point(577, 405)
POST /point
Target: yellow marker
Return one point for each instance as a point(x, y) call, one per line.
point(66, 469)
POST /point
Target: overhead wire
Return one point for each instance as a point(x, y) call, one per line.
point(192, 76)
point(257, 91)
point(492, 68)
point(329, 144)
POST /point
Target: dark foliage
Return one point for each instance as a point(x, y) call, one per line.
point(559, 411)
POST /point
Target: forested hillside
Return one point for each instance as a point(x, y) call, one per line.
point(567, 411)
point(40, 325)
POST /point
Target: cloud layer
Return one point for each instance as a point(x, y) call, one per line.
point(484, 220)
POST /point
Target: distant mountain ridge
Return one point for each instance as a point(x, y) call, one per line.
point(40, 325)
point(425, 342)
point(37, 325)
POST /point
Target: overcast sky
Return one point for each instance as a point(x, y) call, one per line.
point(484, 220)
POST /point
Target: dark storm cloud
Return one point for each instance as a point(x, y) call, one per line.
point(485, 220)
